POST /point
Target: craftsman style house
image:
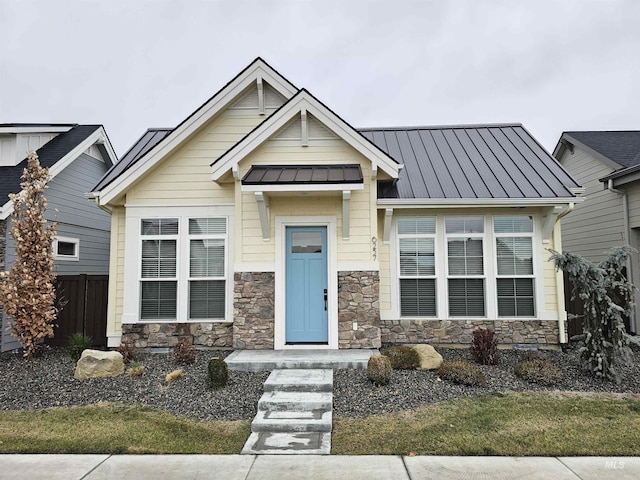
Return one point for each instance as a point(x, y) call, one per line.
point(265, 221)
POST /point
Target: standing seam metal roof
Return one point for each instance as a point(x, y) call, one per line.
point(483, 161)
point(471, 161)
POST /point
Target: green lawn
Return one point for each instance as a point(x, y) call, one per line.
point(116, 429)
point(513, 424)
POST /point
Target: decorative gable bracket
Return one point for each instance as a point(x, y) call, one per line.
point(550, 219)
point(262, 200)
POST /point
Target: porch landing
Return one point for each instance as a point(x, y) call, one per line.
point(262, 360)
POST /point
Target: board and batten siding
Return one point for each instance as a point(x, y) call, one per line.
point(251, 248)
point(595, 225)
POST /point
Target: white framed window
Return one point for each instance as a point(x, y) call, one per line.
point(183, 268)
point(207, 267)
point(465, 266)
point(159, 272)
point(417, 266)
point(65, 248)
point(515, 281)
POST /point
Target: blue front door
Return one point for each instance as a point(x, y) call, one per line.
point(306, 285)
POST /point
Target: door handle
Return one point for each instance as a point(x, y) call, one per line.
point(325, 299)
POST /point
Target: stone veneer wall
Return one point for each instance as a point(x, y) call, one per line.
point(153, 335)
point(358, 301)
point(439, 332)
point(253, 310)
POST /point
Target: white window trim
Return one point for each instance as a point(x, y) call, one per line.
point(436, 247)
point(132, 269)
point(67, 258)
point(533, 276)
point(490, 269)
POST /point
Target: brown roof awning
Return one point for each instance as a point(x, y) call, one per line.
point(303, 174)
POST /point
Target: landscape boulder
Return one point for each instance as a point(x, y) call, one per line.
point(96, 363)
point(429, 358)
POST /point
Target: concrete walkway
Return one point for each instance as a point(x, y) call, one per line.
point(334, 467)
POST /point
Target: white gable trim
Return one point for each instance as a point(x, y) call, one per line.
point(302, 104)
point(257, 72)
point(99, 136)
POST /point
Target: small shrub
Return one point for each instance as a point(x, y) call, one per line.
point(462, 372)
point(217, 373)
point(136, 369)
point(402, 358)
point(173, 376)
point(78, 343)
point(184, 353)
point(484, 347)
point(379, 369)
point(539, 371)
point(128, 351)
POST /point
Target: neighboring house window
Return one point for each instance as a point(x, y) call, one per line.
point(65, 248)
point(514, 257)
point(183, 258)
point(159, 283)
point(207, 267)
point(465, 266)
point(416, 238)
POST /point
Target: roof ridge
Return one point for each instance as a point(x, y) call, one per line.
point(439, 127)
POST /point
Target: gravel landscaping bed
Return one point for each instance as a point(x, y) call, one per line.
point(48, 381)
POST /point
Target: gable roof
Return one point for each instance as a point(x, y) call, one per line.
point(471, 162)
point(620, 149)
point(303, 101)
point(454, 164)
point(113, 184)
point(54, 155)
point(146, 142)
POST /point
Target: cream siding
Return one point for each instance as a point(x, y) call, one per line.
point(250, 246)
point(597, 224)
point(116, 274)
point(184, 178)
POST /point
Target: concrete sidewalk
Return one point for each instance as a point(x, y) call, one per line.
point(332, 467)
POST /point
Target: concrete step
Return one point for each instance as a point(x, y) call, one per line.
point(299, 380)
point(301, 443)
point(263, 360)
point(286, 421)
point(296, 401)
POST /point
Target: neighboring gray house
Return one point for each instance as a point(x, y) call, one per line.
point(607, 164)
point(77, 156)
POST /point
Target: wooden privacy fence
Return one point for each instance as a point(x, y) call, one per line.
point(85, 308)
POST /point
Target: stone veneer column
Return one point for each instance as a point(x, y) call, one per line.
point(358, 301)
point(459, 332)
point(253, 310)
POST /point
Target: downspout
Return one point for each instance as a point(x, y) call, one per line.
point(562, 338)
point(627, 236)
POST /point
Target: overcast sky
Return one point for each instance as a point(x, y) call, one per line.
point(133, 64)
